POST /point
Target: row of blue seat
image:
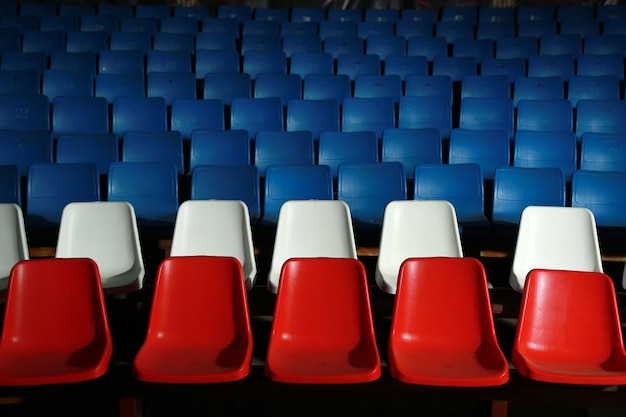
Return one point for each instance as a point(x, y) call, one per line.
point(153, 189)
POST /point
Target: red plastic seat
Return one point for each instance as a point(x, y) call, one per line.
point(199, 329)
point(55, 327)
point(322, 331)
point(442, 330)
point(569, 329)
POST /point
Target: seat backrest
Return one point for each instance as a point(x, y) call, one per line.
point(19, 82)
point(538, 88)
point(10, 185)
point(51, 186)
point(353, 65)
point(542, 149)
point(99, 148)
point(479, 49)
point(282, 148)
point(516, 188)
point(429, 85)
point(138, 113)
point(518, 47)
point(551, 65)
point(544, 115)
point(600, 116)
point(367, 29)
point(259, 62)
point(216, 62)
point(216, 228)
point(126, 40)
point(485, 86)
point(173, 41)
point(598, 65)
point(591, 329)
point(216, 41)
point(322, 87)
point(311, 63)
point(74, 61)
point(363, 114)
point(434, 112)
point(415, 229)
point(488, 148)
point(219, 147)
point(178, 24)
point(111, 86)
point(600, 192)
point(385, 46)
point(228, 182)
point(311, 228)
point(603, 152)
point(142, 146)
point(188, 115)
point(452, 30)
point(338, 45)
point(22, 148)
point(555, 238)
point(428, 46)
point(67, 83)
point(336, 29)
point(94, 41)
point(411, 147)
point(404, 66)
point(120, 62)
point(20, 61)
point(171, 85)
point(336, 148)
point(561, 43)
point(300, 43)
point(227, 86)
point(294, 182)
point(456, 67)
point(537, 28)
point(489, 113)
point(371, 86)
point(256, 114)
point(315, 116)
point(285, 86)
point(24, 112)
point(599, 87)
point(14, 244)
point(106, 232)
point(56, 306)
point(80, 115)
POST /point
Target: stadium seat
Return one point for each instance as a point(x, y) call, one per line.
point(215, 41)
point(411, 114)
point(216, 62)
point(427, 46)
point(227, 86)
point(43, 41)
point(98, 148)
point(490, 149)
point(562, 44)
point(79, 61)
point(600, 116)
point(415, 29)
point(603, 152)
point(479, 49)
point(545, 149)
point(80, 115)
point(414, 229)
point(285, 86)
point(99, 23)
point(67, 83)
point(323, 87)
point(215, 228)
point(111, 86)
point(311, 63)
point(538, 88)
point(282, 148)
point(487, 114)
point(429, 85)
point(24, 112)
point(338, 332)
point(485, 86)
point(301, 43)
point(337, 29)
point(599, 65)
point(582, 87)
point(344, 15)
point(19, 82)
point(354, 65)
point(411, 147)
point(551, 66)
point(262, 62)
point(21, 61)
point(121, 62)
point(372, 86)
point(405, 66)
point(336, 148)
point(453, 30)
point(604, 44)
point(147, 114)
point(23, 148)
point(343, 45)
point(144, 146)
point(256, 114)
point(173, 41)
point(171, 86)
point(517, 47)
point(168, 61)
point(178, 25)
point(368, 114)
point(544, 115)
point(219, 147)
point(385, 46)
point(10, 185)
point(456, 67)
point(315, 116)
point(599, 191)
point(136, 24)
point(14, 244)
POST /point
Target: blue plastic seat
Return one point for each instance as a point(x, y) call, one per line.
point(479, 49)
point(19, 82)
point(121, 10)
point(411, 147)
point(20, 22)
point(260, 27)
point(336, 148)
point(20, 61)
point(418, 15)
point(188, 115)
point(315, 116)
point(10, 185)
point(257, 114)
point(343, 45)
point(195, 12)
point(311, 63)
point(97, 148)
point(99, 23)
point(453, 30)
point(141, 146)
point(9, 38)
point(538, 88)
point(259, 43)
point(24, 112)
point(344, 15)
point(544, 115)
point(561, 44)
point(178, 25)
point(219, 147)
point(126, 41)
point(120, 62)
point(600, 116)
point(428, 46)
point(299, 28)
point(79, 61)
point(584, 87)
point(67, 83)
point(584, 12)
point(381, 15)
point(282, 148)
point(228, 26)
point(429, 85)
point(366, 29)
point(227, 86)
point(512, 68)
point(294, 182)
point(355, 65)
point(496, 14)
point(171, 86)
point(23, 148)
point(385, 46)
point(372, 86)
point(606, 12)
point(307, 14)
point(138, 25)
point(59, 23)
point(373, 114)
point(138, 113)
point(414, 29)
point(264, 62)
point(459, 14)
point(284, 86)
point(495, 30)
point(324, 87)
point(516, 47)
point(536, 28)
point(43, 41)
point(598, 65)
point(367, 188)
point(516, 188)
point(78, 41)
point(404, 66)
point(168, 61)
point(228, 182)
point(602, 193)
point(603, 151)
point(490, 149)
point(485, 86)
point(223, 61)
point(460, 184)
point(336, 29)
point(551, 65)
point(604, 44)
point(151, 188)
point(110, 86)
point(412, 114)
point(535, 12)
point(581, 27)
point(152, 10)
point(51, 186)
point(272, 14)
point(544, 149)
point(292, 44)
point(216, 41)
point(29, 8)
point(78, 115)
point(488, 113)
point(455, 67)
point(174, 41)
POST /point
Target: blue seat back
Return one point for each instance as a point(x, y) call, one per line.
point(602, 193)
point(322, 87)
point(142, 146)
point(487, 113)
point(285, 86)
point(22, 148)
point(488, 148)
point(99, 148)
point(336, 148)
point(368, 114)
point(24, 112)
point(315, 116)
point(544, 115)
point(80, 115)
point(10, 185)
point(420, 112)
point(411, 147)
point(542, 149)
point(600, 116)
point(256, 114)
point(188, 115)
point(219, 147)
point(139, 113)
point(282, 148)
point(111, 86)
point(171, 86)
point(227, 86)
point(603, 152)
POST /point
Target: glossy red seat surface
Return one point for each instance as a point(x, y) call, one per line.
point(55, 326)
point(442, 330)
point(569, 329)
point(199, 329)
point(322, 331)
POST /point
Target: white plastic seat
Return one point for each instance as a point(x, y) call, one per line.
point(412, 229)
point(562, 238)
point(216, 228)
point(311, 229)
point(13, 245)
point(105, 231)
